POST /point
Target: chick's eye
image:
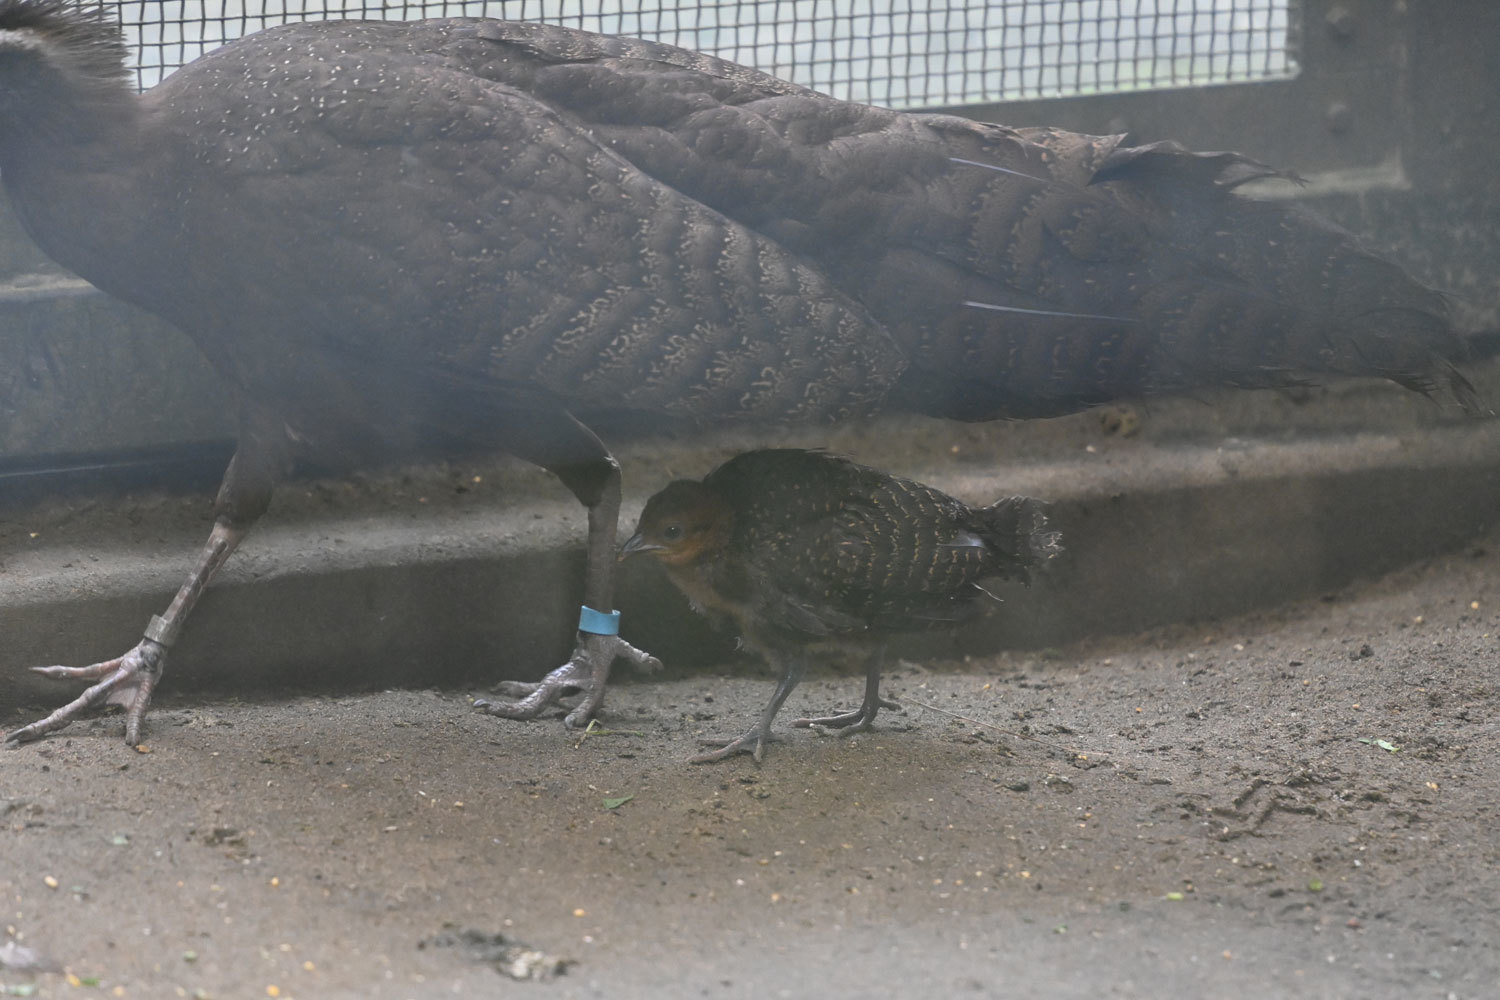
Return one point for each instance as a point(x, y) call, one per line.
point(672, 532)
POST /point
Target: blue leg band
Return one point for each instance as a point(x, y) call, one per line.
point(598, 622)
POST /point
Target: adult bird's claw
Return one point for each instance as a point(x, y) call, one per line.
point(582, 677)
point(128, 681)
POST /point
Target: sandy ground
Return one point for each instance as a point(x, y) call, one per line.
point(1293, 804)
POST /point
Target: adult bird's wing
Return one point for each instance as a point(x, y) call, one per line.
point(1024, 272)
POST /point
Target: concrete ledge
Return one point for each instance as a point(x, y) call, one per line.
point(467, 576)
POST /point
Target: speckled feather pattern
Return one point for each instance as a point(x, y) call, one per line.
point(376, 227)
point(821, 546)
point(509, 240)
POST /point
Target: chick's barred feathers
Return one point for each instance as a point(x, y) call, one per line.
point(815, 545)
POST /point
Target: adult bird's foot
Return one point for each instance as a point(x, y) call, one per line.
point(583, 675)
point(851, 722)
point(127, 680)
point(753, 743)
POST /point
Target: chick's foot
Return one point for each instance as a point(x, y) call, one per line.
point(753, 743)
point(851, 722)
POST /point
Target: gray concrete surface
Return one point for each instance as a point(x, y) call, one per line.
point(1292, 805)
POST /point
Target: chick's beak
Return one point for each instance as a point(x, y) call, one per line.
point(637, 543)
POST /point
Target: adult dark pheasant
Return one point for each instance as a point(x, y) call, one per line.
point(399, 239)
point(801, 548)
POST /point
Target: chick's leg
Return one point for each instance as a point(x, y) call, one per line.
point(130, 680)
point(754, 741)
point(859, 719)
point(572, 452)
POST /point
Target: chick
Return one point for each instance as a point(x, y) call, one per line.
point(801, 548)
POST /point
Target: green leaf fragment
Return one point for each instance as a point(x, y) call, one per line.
point(1315, 885)
point(595, 729)
point(617, 803)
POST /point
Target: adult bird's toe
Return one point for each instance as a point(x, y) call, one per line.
point(128, 681)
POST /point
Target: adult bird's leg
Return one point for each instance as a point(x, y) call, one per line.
point(860, 719)
point(575, 455)
point(755, 739)
point(130, 680)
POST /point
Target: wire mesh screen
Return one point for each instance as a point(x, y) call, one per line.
point(942, 54)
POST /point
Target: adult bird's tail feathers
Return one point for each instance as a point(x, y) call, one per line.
point(1325, 303)
point(1481, 344)
point(1099, 271)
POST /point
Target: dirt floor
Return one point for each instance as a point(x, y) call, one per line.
point(1293, 804)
